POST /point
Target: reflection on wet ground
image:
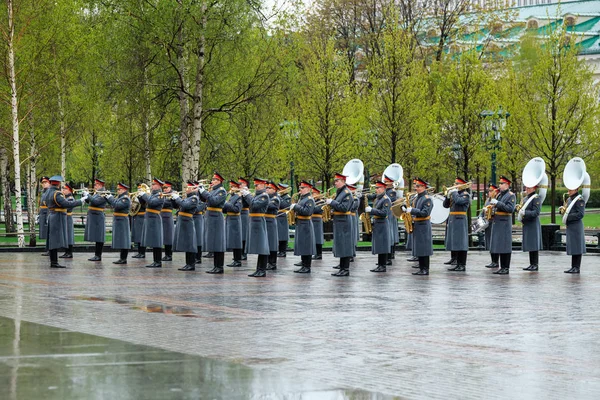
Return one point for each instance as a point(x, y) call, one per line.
point(42, 362)
point(167, 334)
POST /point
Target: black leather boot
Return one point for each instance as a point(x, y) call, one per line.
point(531, 268)
point(501, 271)
point(458, 268)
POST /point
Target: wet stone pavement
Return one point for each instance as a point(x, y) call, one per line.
point(102, 331)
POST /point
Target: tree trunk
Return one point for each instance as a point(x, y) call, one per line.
point(146, 128)
point(6, 191)
point(63, 134)
point(32, 211)
point(552, 198)
point(15, 122)
point(191, 160)
point(184, 129)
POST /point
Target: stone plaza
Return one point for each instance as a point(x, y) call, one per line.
point(101, 331)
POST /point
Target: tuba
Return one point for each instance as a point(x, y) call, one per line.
point(354, 171)
point(534, 174)
point(574, 176)
point(394, 172)
point(135, 202)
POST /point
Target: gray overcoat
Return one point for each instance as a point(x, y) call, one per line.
point(317, 222)
point(153, 232)
point(168, 223)
point(70, 227)
point(575, 232)
point(214, 239)
point(283, 227)
point(391, 219)
point(121, 233)
point(270, 218)
point(502, 223)
point(354, 210)
point(488, 230)
point(185, 239)
point(422, 241)
point(57, 218)
point(258, 242)
point(199, 220)
point(304, 239)
point(381, 236)
point(43, 216)
point(343, 229)
point(245, 218)
point(95, 225)
point(137, 226)
point(233, 222)
point(457, 230)
point(532, 229)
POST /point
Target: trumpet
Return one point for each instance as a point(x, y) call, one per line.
point(285, 191)
point(84, 190)
point(462, 186)
point(169, 196)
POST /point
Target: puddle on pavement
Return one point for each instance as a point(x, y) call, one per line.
point(141, 306)
point(44, 362)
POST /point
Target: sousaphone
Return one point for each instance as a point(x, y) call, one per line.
point(534, 174)
point(395, 172)
point(575, 176)
point(354, 171)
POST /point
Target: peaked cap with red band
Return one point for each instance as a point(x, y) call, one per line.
point(45, 178)
point(304, 184)
point(234, 184)
point(99, 181)
point(315, 190)
point(459, 180)
point(218, 176)
point(420, 181)
point(504, 179)
point(272, 185)
point(167, 183)
point(69, 187)
point(260, 181)
point(243, 180)
point(158, 182)
point(340, 176)
point(122, 186)
point(386, 179)
point(492, 186)
point(380, 184)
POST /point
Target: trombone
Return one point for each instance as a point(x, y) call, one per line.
point(462, 186)
point(169, 196)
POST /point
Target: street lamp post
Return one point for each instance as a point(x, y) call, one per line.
point(494, 123)
point(456, 153)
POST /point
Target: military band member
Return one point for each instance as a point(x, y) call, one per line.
point(492, 193)
point(575, 210)
point(420, 209)
point(381, 235)
point(304, 240)
point(343, 236)
point(137, 227)
point(153, 232)
point(121, 233)
point(283, 227)
point(43, 215)
point(317, 222)
point(244, 184)
point(57, 219)
point(409, 242)
point(168, 224)
point(354, 215)
point(529, 215)
point(214, 221)
point(233, 224)
point(185, 239)
point(390, 191)
point(272, 231)
point(67, 191)
point(95, 224)
point(501, 243)
point(457, 231)
point(199, 222)
point(258, 241)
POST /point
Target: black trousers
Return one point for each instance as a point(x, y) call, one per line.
point(157, 254)
point(273, 257)
point(243, 247)
point(576, 261)
point(141, 249)
point(199, 253)
point(534, 257)
point(283, 245)
point(495, 257)
point(306, 260)
point(382, 259)
point(261, 263)
point(237, 254)
point(190, 258)
point(53, 256)
point(99, 246)
point(424, 262)
point(123, 255)
point(219, 259)
point(168, 250)
point(319, 249)
point(345, 263)
point(461, 257)
point(505, 260)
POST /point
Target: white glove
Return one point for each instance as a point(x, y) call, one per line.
point(403, 208)
point(521, 214)
point(292, 207)
point(201, 189)
point(84, 196)
point(175, 196)
point(493, 201)
point(85, 193)
point(109, 196)
point(359, 195)
point(368, 209)
point(244, 192)
point(452, 191)
point(409, 209)
point(328, 201)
